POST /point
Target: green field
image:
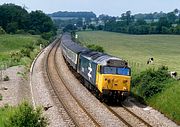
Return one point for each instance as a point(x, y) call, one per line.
point(12, 43)
point(165, 49)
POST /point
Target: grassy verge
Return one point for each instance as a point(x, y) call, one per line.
point(137, 49)
point(168, 102)
point(19, 49)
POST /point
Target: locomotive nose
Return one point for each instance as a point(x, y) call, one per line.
point(116, 83)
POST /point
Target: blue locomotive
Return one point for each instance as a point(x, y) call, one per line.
point(106, 74)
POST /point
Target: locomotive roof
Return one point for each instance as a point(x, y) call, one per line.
point(67, 41)
point(100, 58)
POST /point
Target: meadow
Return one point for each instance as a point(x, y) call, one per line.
point(137, 49)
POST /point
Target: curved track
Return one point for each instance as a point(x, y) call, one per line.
point(62, 93)
point(69, 102)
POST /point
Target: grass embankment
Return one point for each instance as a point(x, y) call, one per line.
point(137, 49)
point(167, 101)
point(19, 50)
point(13, 49)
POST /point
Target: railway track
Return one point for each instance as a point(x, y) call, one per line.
point(75, 110)
point(127, 117)
point(59, 87)
point(129, 123)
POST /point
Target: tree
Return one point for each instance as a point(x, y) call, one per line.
point(128, 17)
point(92, 27)
point(69, 28)
point(141, 22)
point(10, 15)
point(163, 21)
point(12, 27)
point(40, 22)
point(176, 11)
point(171, 17)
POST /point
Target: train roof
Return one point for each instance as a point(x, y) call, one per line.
point(66, 40)
point(97, 57)
point(104, 59)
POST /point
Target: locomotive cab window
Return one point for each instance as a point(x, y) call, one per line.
point(123, 71)
point(115, 70)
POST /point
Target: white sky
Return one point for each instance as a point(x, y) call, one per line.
point(110, 7)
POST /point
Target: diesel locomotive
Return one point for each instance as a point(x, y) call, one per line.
point(109, 76)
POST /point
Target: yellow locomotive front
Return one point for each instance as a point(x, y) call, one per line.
point(113, 80)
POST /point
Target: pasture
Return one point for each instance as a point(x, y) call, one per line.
point(138, 48)
point(165, 49)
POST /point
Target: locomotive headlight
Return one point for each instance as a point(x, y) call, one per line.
point(124, 88)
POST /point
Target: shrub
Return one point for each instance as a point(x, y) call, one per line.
point(15, 56)
point(150, 82)
point(6, 78)
point(27, 50)
point(41, 41)
point(2, 31)
point(47, 35)
point(25, 116)
point(95, 48)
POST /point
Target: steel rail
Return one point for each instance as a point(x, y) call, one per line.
point(63, 82)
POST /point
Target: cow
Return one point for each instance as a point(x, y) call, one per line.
point(173, 74)
point(150, 60)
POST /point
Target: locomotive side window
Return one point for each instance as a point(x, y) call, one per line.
point(115, 70)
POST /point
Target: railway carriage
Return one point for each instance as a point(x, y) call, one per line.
point(71, 50)
point(109, 76)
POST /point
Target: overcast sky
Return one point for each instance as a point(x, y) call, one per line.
point(110, 7)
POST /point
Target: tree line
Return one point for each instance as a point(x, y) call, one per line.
point(16, 19)
point(73, 14)
point(167, 23)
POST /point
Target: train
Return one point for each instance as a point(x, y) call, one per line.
point(108, 76)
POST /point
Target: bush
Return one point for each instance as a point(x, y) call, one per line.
point(96, 48)
point(47, 35)
point(2, 31)
point(6, 78)
point(150, 82)
point(15, 56)
point(25, 116)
